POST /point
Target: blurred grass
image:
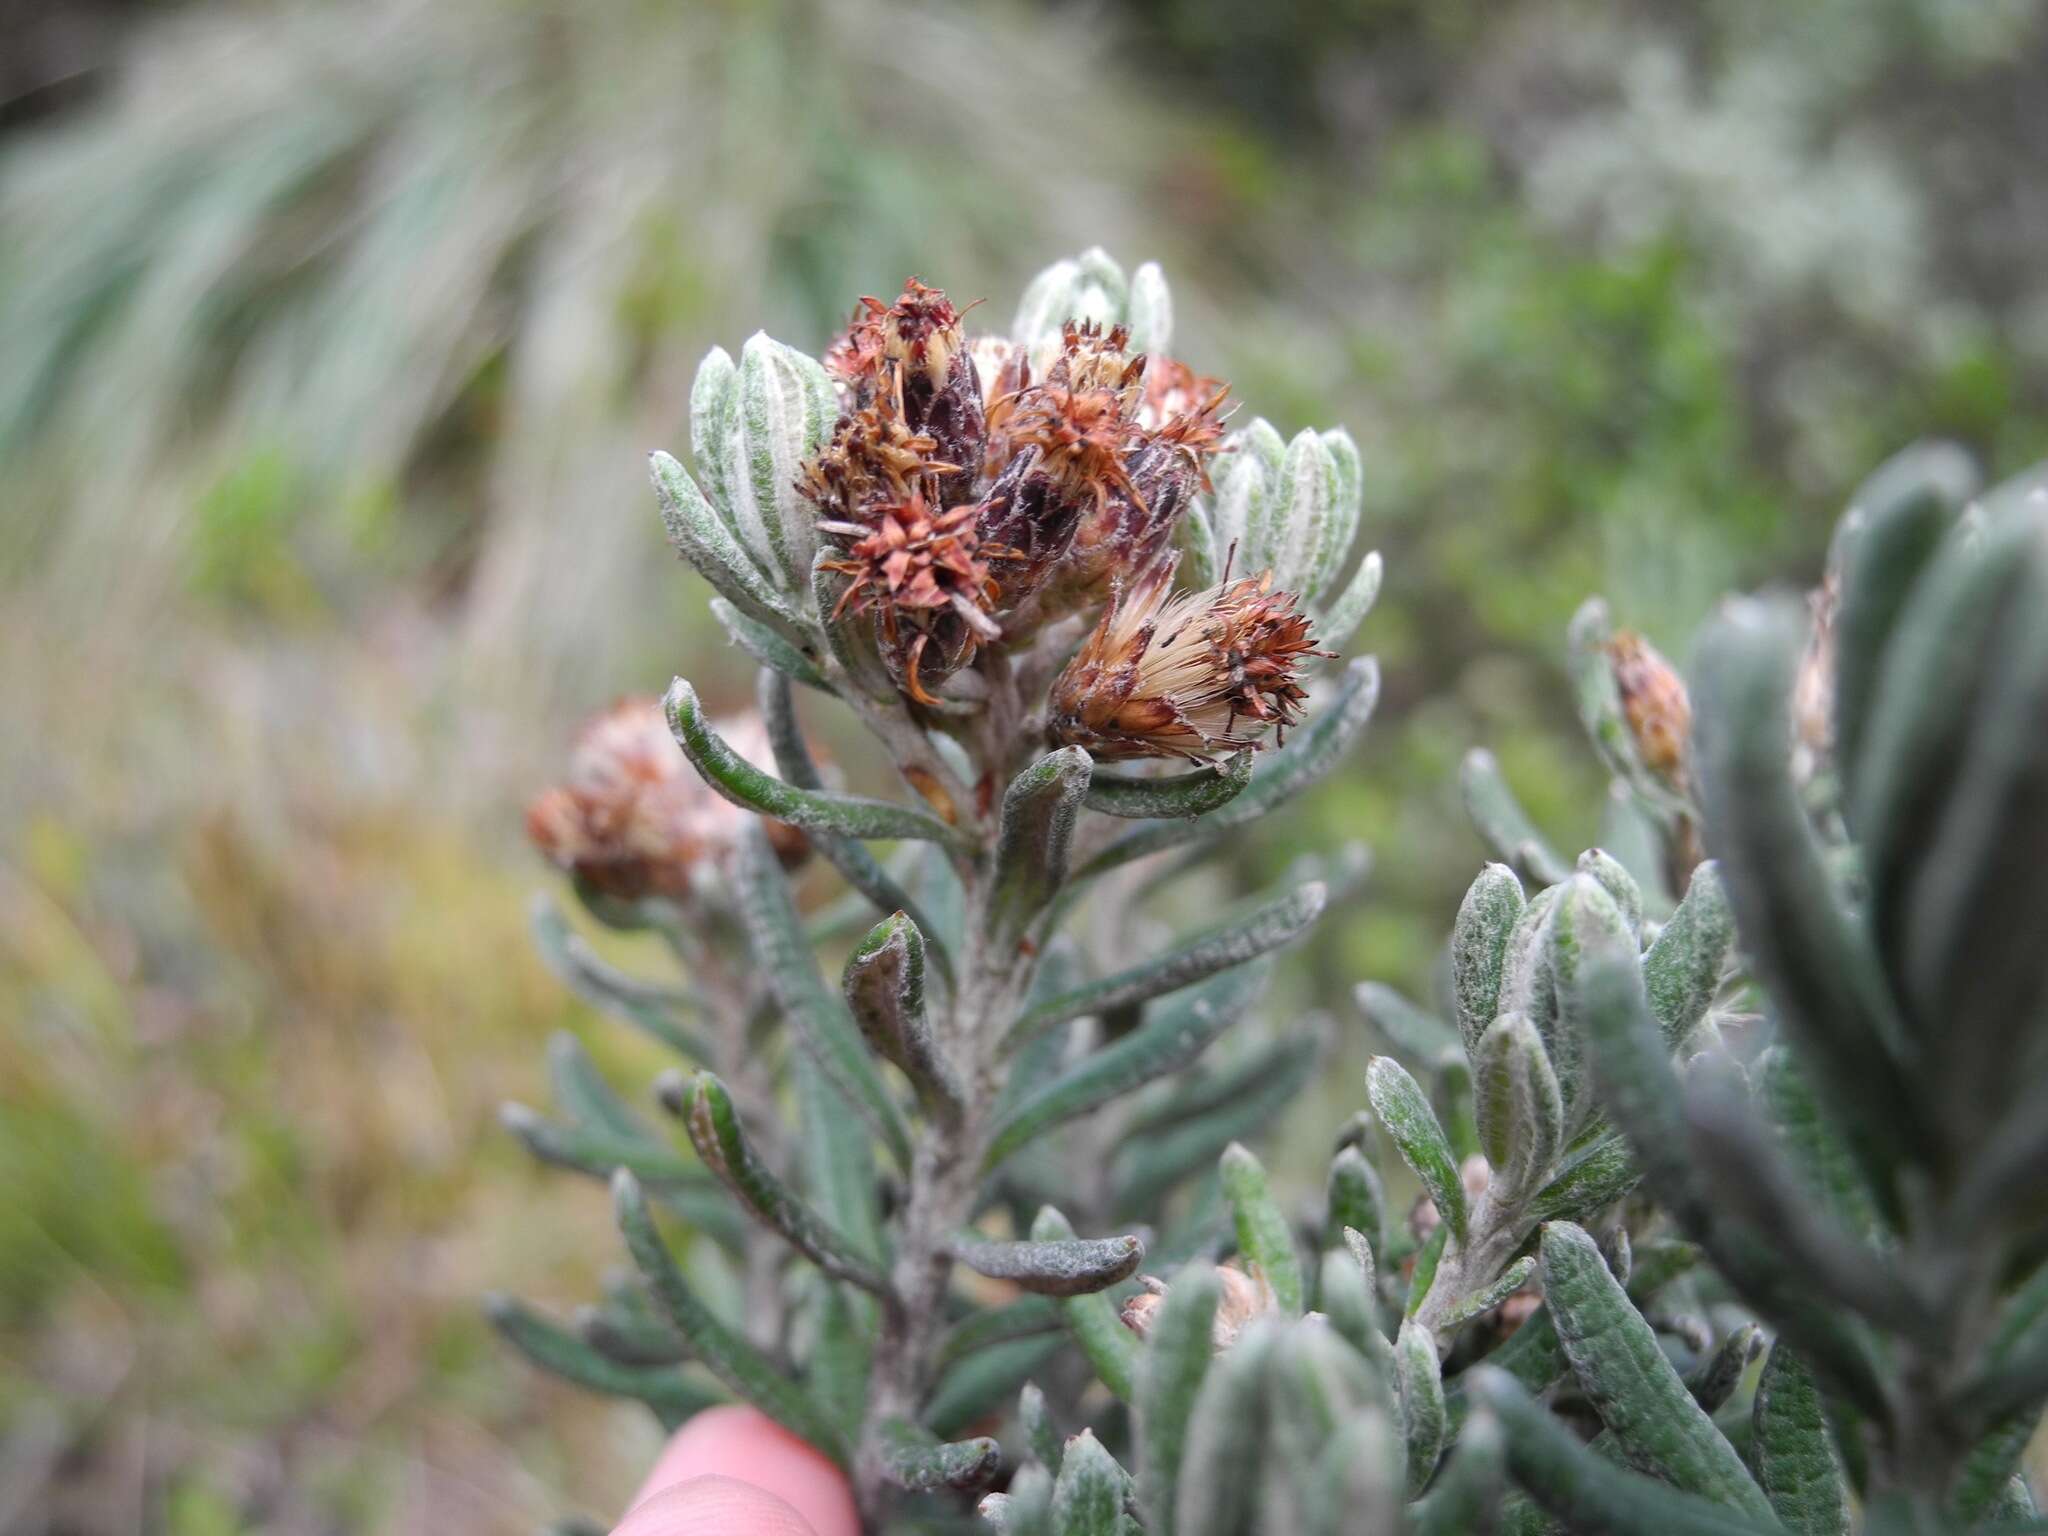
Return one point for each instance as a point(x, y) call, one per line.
point(330, 342)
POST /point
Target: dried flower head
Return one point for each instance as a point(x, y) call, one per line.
point(874, 456)
point(1655, 704)
point(923, 571)
point(913, 353)
point(633, 819)
point(1194, 675)
point(1246, 1298)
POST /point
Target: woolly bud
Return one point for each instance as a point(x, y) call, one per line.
point(1655, 705)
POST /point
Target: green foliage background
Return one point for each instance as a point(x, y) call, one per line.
point(331, 340)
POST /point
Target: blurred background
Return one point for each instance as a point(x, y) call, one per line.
point(332, 338)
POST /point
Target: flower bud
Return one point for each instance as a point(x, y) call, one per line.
point(633, 819)
point(1655, 705)
point(1194, 675)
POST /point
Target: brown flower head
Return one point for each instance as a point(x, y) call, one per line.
point(1655, 704)
point(875, 458)
point(923, 572)
point(914, 352)
point(633, 819)
point(1194, 675)
point(1246, 1298)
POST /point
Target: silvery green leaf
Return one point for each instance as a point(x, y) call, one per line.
point(1026, 1317)
point(1466, 1498)
point(1403, 1109)
point(980, 1384)
point(1146, 1169)
point(1093, 1319)
point(1409, 1027)
point(709, 1115)
point(1682, 969)
point(1346, 1294)
point(1714, 1380)
point(1301, 511)
point(701, 536)
point(713, 394)
point(1900, 516)
point(1151, 311)
point(1479, 949)
point(673, 1396)
point(1487, 1297)
point(841, 1355)
point(597, 1150)
point(1088, 1497)
point(1035, 1416)
point(1026, 1510)
point(737, 1363)
point(1246, 476)
point(1500, 819)
point(1792, 1450)
point(850, 638)
point(783, 412)
point(1359, 1477)
point(1586, 919)
point(655, 1008)
point(1422, 1402)
point(1047, 304)
point(1354, 1199)
point(1175, 1362)
point(1223, 947)
point(1101, 292)
point(1180, 795)
point(1226, 1438)
point(1171, 1036)
point(918, 1462)
point(884, 988)
point(1519, 1106)
point(1265, 1240)
point(1588, 1181)
point(768, 646)
point(1618, 883)
point(1036, 835)
point(1622, 1369)
point(748, 787)
point(1069, 1267)
point(1347, 506)
point(1583, 1488)
point(1348, 609)
point(1201, 562)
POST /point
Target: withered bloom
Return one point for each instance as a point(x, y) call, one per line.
point(924, 574)
point(1655, 705)
point(1195, 675)
point(633, 819)
point(1246, 1298)
point(914, 353)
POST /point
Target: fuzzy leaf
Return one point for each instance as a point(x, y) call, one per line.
point(918, 1462)
point(1220, 948)
point(1585, 920)
point(1682, 969)
point(1073, 1267)
point(783, 410)
point(1026, 1317)
point(1467, 1496)
point(1479, 949)
point(1170, 1375)
point(768, 646)
point(1183, 795)
point(1226, 1436)
point(1264, 1238)
point(1520, 1110)
point(673, 1396)
point(730, 1357)
point(836, 1372)
point(979, 1384)
point(1422, 1402)
point(702, 537)
point(1145, 1170)
point(713, 394)
point(1088, 1498)
point(823, 1026)
point(1714, 1380)
point(1026, 1510)
point(1487, 1297)
point(1601, 1172)
point(1299, 514)
point(1403, 1109)
point(714, 1125)
point(1173, 1034)
point(884, 989)
point(1410, 1028)
point(746, 786)
point(1348, 610)
point(648, 1005)
point(1622, 1370)
point(1111, 1348)
point(1354, 1198)
point(598, 1151)
point(1150, 313)
point(1036, 1419)
point(1345, 1294)
point(1500, 819)
point(1586, 1491)
point(1792, 1450)
point(1037, 832)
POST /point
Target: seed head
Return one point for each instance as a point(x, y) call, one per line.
point(1193, 675)
point(633, 819)
point(1655, 704)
